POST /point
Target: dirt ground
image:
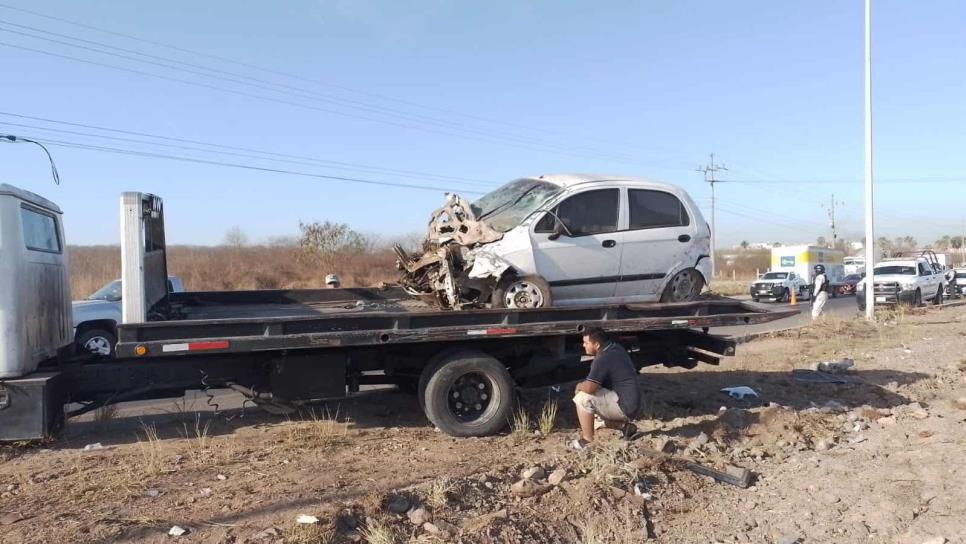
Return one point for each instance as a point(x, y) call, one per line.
point(877, 459)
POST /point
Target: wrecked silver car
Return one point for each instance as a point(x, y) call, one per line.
point(562, 240)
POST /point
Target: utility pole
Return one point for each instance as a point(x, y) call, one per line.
point(709, 172)
point(831, 219)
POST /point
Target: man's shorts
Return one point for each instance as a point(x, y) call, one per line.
point(603, 404)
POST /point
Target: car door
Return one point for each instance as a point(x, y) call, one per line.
point(659, 234)
point(929, 281)
point(584, 264)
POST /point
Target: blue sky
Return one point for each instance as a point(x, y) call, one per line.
point(472, 94)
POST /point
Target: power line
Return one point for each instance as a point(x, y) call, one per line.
point(488, 139)
point(298, 77)
point(306, 94)
point(121, 151)
point(959, 179)
point(270, 156)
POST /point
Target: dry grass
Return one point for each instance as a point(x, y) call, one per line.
point(150, 451)
point(548, 417)
point(378, 533)
point(304, 533)
point(199, 442)
point(236, 268)
point(105, 414)
point(730, 288)
point(521, 425)
point(316, 430)
point(437, 496)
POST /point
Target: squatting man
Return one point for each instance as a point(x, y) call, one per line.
point(609, 397)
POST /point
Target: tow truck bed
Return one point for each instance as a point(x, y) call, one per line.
point(283, 320)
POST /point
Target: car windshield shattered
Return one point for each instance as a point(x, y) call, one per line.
point(506, 207)
point(895, 270)
point(110, 292)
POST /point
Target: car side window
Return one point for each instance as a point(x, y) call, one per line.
point(590, 212)
point(655, 209)
point(923, 271)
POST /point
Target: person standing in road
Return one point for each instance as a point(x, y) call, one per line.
point(609, 397)
point(951, 283)
point(819, 291)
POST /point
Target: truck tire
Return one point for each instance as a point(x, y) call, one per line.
point(519, 292)
point(97, 342)
point(684, 286)
point(468, 393)
point(786, 296)
point(917, 299)
point(938, 299)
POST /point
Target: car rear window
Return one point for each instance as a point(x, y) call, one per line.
point(655, 209)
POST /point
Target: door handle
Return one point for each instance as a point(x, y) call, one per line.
point(684, 238)
point(608, 243)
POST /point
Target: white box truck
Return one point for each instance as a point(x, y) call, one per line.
point(802, 260)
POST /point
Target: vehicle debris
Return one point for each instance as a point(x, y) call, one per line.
point(178, 531)
point(740, 392)
point(835, 367)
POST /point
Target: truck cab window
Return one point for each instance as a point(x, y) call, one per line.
point(39, 230)
point(655, 209)
point(591, 212)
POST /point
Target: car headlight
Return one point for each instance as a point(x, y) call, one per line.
point(908, 285)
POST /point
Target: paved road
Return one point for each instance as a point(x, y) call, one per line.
point(841, 306)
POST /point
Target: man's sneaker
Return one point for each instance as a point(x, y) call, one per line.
point(629, 432)
point(579, 444)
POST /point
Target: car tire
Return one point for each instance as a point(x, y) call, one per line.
point(917, 299)
point(522, 292)
point(938, 299)
point(755, 299)
point(99, 342)
point(684, 286)
point(469, 393)
point(786, 296)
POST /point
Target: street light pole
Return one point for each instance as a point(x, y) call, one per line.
point(869, 193)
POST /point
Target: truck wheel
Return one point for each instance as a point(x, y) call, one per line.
point(684, 286)
point(468, 394)
point(756, 299)
point(938, 299)
point(97, 341)
point(917, 299)
point(522, 292)
point(786, 296)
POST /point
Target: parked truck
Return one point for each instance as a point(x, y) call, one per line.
point(802, 260)
point(281, 347)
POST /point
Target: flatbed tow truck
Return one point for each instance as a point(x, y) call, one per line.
point(283, 348)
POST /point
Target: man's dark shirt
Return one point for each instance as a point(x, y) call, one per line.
point(612, 369)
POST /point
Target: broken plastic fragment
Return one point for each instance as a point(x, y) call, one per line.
point(740, 392)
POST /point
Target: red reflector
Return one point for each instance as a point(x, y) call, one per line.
point(218, 344)
point(500, 331)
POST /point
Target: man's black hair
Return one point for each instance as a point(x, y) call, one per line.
point(596, 334)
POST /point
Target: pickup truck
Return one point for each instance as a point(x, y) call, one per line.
point(779, 286)
point(903, 281)
point(96, 317)
point(280, 348)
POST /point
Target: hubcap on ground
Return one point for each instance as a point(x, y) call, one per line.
point(523, 294)
point(98, 345)
point(470, 396)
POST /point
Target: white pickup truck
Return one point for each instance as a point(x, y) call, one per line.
point(779, 286)
point(903, 281)
point(97, 316)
